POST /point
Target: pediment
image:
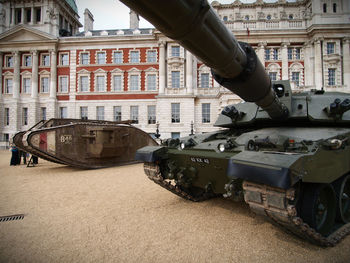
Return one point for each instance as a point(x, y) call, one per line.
point(83, 71)
point(26, 34)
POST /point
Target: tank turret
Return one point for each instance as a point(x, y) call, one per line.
point(287, 155)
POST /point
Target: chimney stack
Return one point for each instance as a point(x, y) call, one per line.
point(88, 20)
point(134, 20)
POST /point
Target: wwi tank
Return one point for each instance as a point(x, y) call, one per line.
point(84, 143)
point(287, 155)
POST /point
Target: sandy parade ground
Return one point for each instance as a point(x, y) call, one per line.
point(118, 215)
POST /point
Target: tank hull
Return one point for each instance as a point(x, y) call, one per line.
point(84, 144)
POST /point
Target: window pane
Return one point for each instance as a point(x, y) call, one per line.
point(175, 51)
point(63, 84)
point(134, 113)
point(330, 48)
point(206, 113)
point(175, 135)
point(118, 57)
point(134, 57)
point(44, 85)
point(295, 78)
point(290, 53)
point(151, 114)
point(63, 112)
point(273, 76)
point(175, 79)
point(26, 85)
point(331, 76)
point(275, 54)
point(9, 61)
point(84, 83)
point(175, 112)
point(151, 56)
point(267, 54)
point(151, 82)
point(64, 59)
point(84, 58)
point(100, 113)
point(297, 53)
point(25, 116)
point(117, 113)
point(117, 83)
point(134, 82)
point(46, 60)
point(8, 86)
point(84, 113)
point(43, 113)
point(100, 83)
point(7, 116)
point(101, 58)
point(27, 61)
point(205, 80)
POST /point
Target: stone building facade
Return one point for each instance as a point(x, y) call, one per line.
point(49, 69)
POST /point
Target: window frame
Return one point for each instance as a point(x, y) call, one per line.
point(62, 59)
point(63, 111)
point(82, 60)
point(152, 58)
point(27, 60)
point(6, 116)
point(207, 81)
point(132, 116)
point(134, 60)
point(24, 116)
point(332, 81)
point(115, 117)
point(24, 87)
point(175, 113)
point(121, 57)
point(98, 59)
point(206, 116)
point(330, 48)
point(151, 114)
point(9, 61)
point(43, 113)
point(175, 81)
point(175, 51)
point(60, 83)
point(83, 112)
point(121, 76)
point(43, 64)
point(6, 87)
point(42, 82)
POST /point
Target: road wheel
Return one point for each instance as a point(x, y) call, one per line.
point(342, 190)
point(318, 207)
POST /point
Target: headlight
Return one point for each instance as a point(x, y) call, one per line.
point(221, 147)
point(182, 145)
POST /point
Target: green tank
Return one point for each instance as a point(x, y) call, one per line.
point(287, 155)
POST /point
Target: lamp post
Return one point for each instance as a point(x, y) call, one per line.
point(192, 128)
point(157, 135)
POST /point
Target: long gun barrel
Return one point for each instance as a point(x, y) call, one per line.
point(195, 25)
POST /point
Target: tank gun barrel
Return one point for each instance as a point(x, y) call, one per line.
point(195, 25)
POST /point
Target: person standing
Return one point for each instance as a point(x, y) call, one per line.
point(15, 155)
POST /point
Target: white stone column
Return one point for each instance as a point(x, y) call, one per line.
point(261, 52)
point(16, 74)
point(189, 72)
point(32, 15)
point(161, 67)
point(53, 75)
point(284, 57)
point(13, 16)
point(35, 67)
point(22, 15)
point(308, 80)
point(318, 64)
point(346, 63)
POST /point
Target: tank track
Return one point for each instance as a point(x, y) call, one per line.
point(153, 173)
point(275, 205)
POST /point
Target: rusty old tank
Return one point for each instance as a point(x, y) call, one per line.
point(85, 144)
point(287, 155)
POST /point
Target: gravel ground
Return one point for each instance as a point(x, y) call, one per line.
point(118, 215)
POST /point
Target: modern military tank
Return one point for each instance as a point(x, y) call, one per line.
point(285, 154)
point(85, 144)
